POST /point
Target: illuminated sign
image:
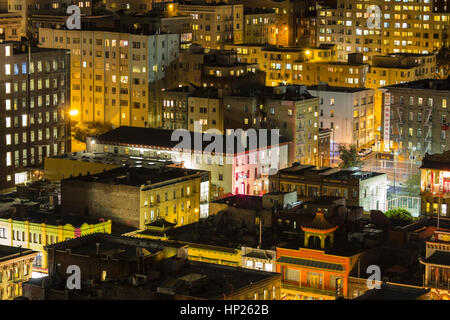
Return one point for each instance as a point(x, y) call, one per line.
point(387, 121)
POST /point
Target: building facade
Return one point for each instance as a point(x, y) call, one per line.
point(15, 268)
point(415, 117)
point(34, 115)
point(116, 78)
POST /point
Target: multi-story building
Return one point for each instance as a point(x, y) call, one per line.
point(289, 29)
point(359, 188)
point(135, 196)
point(232, 170)
point(415, 117)
point(319, 269)
point(15, 269)
point(126, 260)
point(215, 25)
point(393, 69)
point(307, 66)
point(10, 26)
point(435, 184)
point(34, 109)
point(290, 109)
point(34, 230)
point(175, 108)
point(400, 28)
point(437, 266)
point(348, 112)
point(324, 147)
point(116, 77)
point(260, 26)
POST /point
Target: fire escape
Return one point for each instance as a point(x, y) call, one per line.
point(427, 126)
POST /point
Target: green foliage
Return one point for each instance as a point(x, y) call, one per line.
point(87, 129)
point(399, 214)
point(443, 61)
point(413, 185)
point(349, 157)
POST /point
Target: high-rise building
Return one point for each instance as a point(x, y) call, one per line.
point(34, 104)
point(116, 78)
point(410, 27)
point(415, 118)
point(215, 25)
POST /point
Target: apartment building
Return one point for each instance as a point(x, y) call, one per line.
point(307, 66)
point(395, 68)
point(415, 118)
point(15, 269)
point(289, 15)
point(220, 69)
point(260, 26)
point(10, 26)
point(116, 77)
point(408, 27)
point(136, 196)
point(34, 109)
point(348, 112)
point(215, 25)
point(359, 188)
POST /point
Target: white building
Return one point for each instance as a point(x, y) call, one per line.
point(348, 112)
point(232, 171)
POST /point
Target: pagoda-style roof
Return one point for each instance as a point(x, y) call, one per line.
point(160, 224)
point(319, 225)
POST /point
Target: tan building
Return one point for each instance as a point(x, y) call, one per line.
point(402, 28)
point(10, 26)
point(215, 25)
point(397, 68)
point(260, 26)
point(307, 66)
point(116, 77)
point(135, 196)
point(15, 268)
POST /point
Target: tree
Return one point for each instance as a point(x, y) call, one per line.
point(413, 185)
point(399, 215)
point(443, 61)
point(88, 129)
point(349, 157)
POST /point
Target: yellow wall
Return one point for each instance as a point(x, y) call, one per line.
point(57, 169)
point(13, 272)
point(36, 236)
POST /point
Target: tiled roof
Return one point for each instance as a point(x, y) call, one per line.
point(311, 263)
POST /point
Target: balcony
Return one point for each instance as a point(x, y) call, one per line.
point(314, 290)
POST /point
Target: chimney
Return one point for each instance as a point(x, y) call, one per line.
point(98, 248)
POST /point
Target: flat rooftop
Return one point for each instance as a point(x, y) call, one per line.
point(242, 201)
point(115, 159)
point(425, 84)
point(114, 246)
point(51, 218)
point(132, 176)
point(336, 89)
point(8, 252)
point(161, 138)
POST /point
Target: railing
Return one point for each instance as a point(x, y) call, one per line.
point(326, 292)
point(412, 204)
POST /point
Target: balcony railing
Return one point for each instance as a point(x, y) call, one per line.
point(326, 292)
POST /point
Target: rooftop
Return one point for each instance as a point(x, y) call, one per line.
point(8, 252)
point(439, 161)
point(242, 201)
point(150, 177)
point(329, 88)
point(394, 292)
point(114, 246)
point(161, 138)
point(424, 84)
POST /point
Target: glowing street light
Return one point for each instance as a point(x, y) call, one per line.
point(73, 112)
